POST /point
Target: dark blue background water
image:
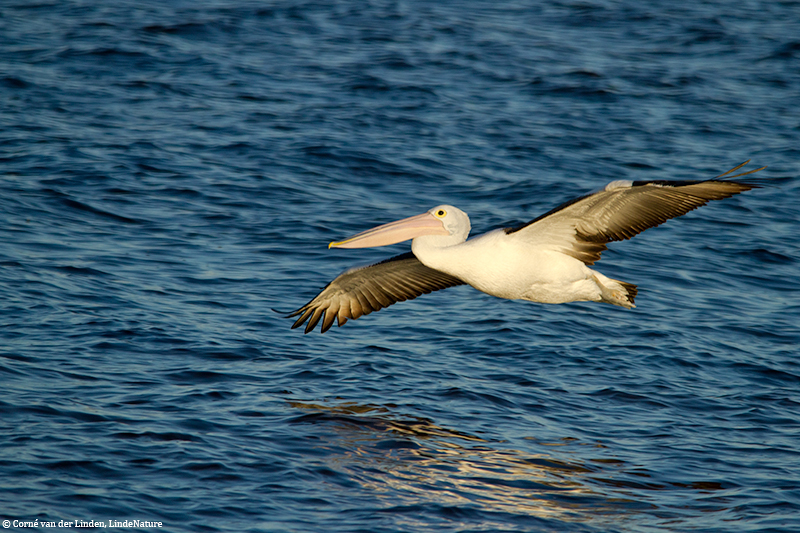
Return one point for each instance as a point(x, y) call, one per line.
point(173, 170)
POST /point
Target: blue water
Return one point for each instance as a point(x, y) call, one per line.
point(171, 171)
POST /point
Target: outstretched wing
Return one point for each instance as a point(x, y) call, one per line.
point(362, 290)
point(582, 227)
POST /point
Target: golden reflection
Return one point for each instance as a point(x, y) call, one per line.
point(411, 460)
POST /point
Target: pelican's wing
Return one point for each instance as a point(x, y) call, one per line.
point(582, 227)
point(362, 290)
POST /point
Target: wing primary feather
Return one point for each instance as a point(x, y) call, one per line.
point(366, 294)
point(314, 320)
point(734, 169)
point(327, 322)
point(355, 308)
point(302, 319)
point(364, 303)
point(749, 172)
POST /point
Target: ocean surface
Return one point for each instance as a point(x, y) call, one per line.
point(170, 172)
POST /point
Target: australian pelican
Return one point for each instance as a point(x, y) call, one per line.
point(545, 260)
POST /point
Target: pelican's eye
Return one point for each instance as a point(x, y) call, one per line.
point(441, 213)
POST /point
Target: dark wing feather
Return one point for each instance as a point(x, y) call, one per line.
point(362, 290)
point(582, 227)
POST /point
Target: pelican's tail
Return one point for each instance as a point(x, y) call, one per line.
point(616, 292)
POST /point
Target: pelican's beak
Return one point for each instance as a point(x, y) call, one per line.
point(394, 232)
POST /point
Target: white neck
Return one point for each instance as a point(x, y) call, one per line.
point(439, 252)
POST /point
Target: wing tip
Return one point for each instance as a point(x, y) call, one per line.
point(734, 169)
point(716, 179)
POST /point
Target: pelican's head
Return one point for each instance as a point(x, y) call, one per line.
point(443, 224)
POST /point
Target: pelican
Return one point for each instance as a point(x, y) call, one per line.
point(545, 260)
